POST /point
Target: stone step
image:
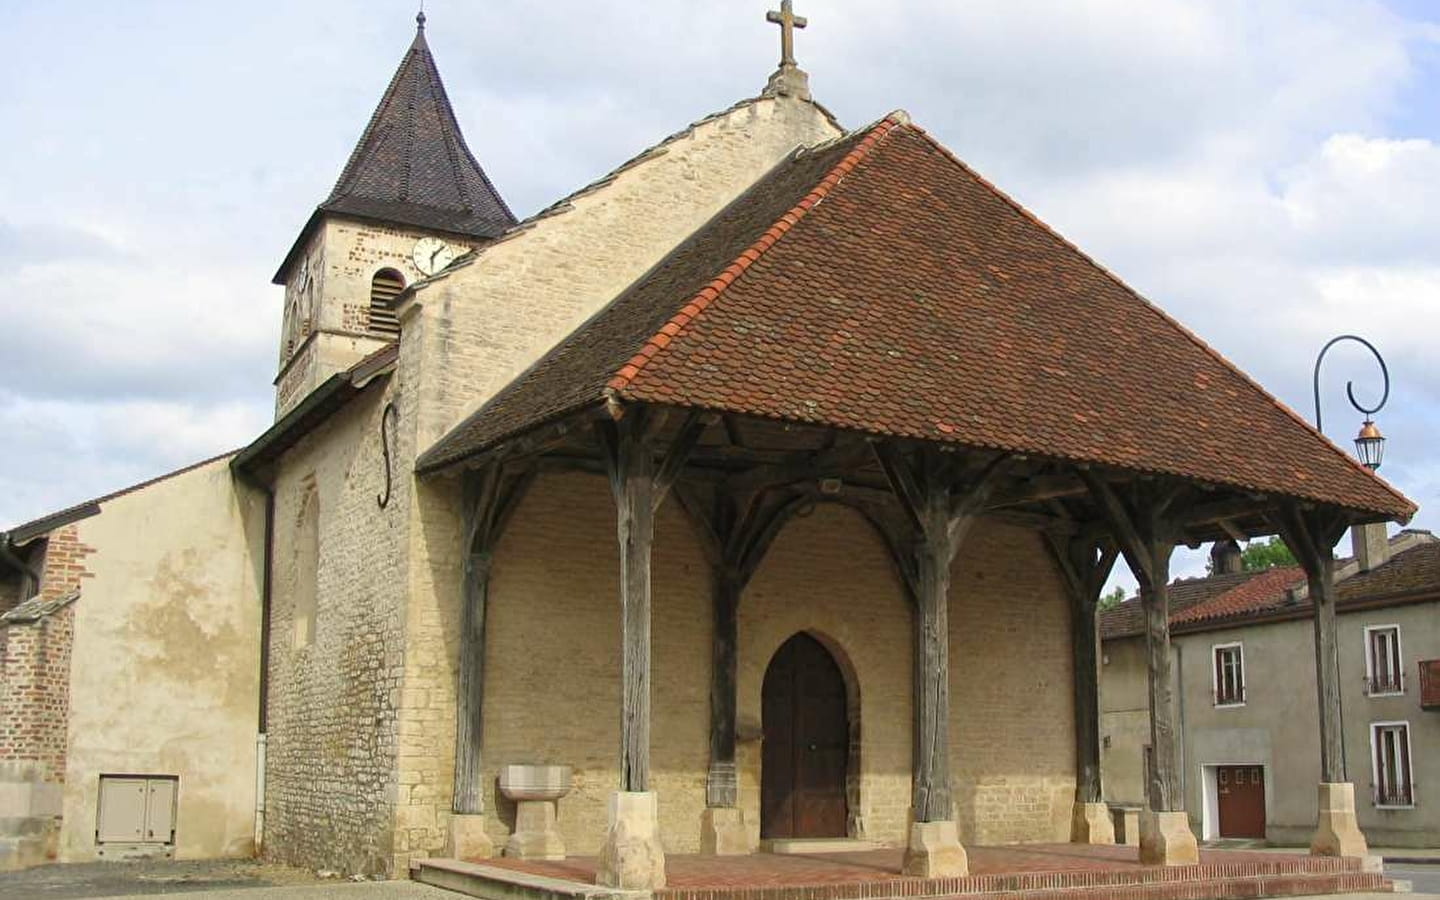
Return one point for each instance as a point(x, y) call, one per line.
point(494, 883)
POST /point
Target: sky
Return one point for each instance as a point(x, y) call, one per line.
point(1267, 173)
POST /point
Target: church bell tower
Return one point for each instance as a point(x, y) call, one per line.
point(410, 200)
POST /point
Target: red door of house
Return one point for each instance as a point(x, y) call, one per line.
point(1242, 801)
point(807, 743)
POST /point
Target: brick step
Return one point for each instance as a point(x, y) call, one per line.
point(1011, 883)
point(1235, 888)
point(1229, 881)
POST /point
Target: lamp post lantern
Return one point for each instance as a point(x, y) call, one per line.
point(1369, 443)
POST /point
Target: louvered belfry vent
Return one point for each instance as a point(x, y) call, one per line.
point(384, 288)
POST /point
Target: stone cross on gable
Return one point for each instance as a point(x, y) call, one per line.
point(788, 22)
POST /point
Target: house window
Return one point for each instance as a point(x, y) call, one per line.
point(1390, 754)
point(1384, 673)
point(384, 288)
point(1229, 675)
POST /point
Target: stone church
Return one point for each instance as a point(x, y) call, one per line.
point(760, 490)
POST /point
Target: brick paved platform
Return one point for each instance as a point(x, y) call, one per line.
point(1028, 872)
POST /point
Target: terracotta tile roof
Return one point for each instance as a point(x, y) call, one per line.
point(1127, 619)
point(576, 372)
point(895, 292)
point(1201, 604)
point(1267, 590)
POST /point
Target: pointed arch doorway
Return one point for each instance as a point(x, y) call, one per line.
point(805, 757)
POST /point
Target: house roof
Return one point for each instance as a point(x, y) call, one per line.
point(411, 165)
point(878, 284)
point(1224, 601)
point(1128, 618)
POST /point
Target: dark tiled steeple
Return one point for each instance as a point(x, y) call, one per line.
point(411, 165)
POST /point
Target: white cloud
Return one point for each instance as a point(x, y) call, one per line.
point(1235, 161)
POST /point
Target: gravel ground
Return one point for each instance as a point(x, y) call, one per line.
point(326, 890)
point(71, 881)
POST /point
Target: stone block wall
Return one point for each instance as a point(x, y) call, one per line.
point(488, 321)
point(334, 702)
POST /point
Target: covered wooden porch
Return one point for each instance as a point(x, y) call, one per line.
point(933, 365)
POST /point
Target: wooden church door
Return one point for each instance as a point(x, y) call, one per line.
point(806, 751)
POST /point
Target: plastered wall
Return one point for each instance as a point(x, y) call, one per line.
point(165, 676)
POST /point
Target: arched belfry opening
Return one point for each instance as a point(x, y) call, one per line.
point(807, 760)
point(385, 287)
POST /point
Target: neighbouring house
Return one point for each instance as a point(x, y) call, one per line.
point(705, 503)
point(1244, 645)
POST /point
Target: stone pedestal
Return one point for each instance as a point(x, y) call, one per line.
point(723, 832)
point(467, 838)
point(1091, 824)
point(1337, 833)
point(934, 851)
point(535, 790)
point(1166, 839)
point(632, 858)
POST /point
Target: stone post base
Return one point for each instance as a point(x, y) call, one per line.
point(535, 835)
point(1166, 839)
point(1337, 833)
point(467, 838)
point(934, 851)
point(1091, 824)
point(632, 858)
point(723, 833)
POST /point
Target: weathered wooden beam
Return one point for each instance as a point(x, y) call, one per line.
point(804, 466)
point(679, 453)
point(1145, 529)
point(1311, 534)
point(630, 459)
point(943, 510)
point(1084, 566)
point(1036, 490)
point(490, 498)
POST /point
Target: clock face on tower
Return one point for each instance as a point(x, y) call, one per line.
point(432, 254)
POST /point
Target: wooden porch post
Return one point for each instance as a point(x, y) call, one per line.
point(632, 857)
point(490, 498)
point(1084, 565)
point(1311, 534)
point(1146, 535)
point(943, 509)
point(736, 532)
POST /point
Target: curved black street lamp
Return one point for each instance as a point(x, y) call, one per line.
point(1370, 443)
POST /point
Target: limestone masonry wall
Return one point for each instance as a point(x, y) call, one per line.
point(488, 321)
point(334, 702)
